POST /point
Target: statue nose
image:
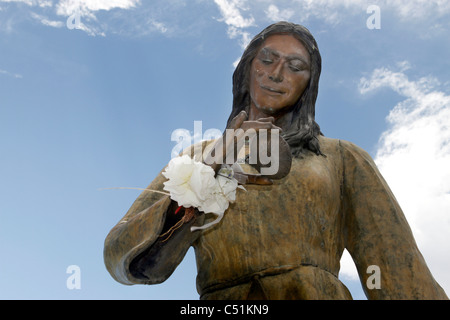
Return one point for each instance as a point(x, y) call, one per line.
point(276, 78)
point(276, 75)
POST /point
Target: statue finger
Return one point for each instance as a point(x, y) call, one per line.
point(238, 120)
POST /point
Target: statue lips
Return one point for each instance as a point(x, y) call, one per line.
point(272, 90)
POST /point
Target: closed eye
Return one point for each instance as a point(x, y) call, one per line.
point(296, 66)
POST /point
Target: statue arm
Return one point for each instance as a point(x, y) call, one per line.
point(378, 234)
point(134, 250)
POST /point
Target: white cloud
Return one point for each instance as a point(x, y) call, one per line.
point(40, 3)
point(45, 21)
point(240, 15)
point(408, 10)
point(52, 23)
point(231, 11)
point(348, 269)
point(28, 2)
point(45, 3)
point(275, 14)
point(419, 9)
point(68, 7)
point(86, 10)
point(159, 26)
point(14, 75)
point(333, 11)
point(414, 157)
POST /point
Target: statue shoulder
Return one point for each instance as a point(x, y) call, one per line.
point(350, 149)
point(345, 150)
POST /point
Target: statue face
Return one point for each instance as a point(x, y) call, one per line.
point(279, 74)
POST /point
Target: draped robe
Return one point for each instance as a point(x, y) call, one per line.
point(285, 240)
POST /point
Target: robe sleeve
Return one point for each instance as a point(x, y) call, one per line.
point(377, 234)
point(134, 252)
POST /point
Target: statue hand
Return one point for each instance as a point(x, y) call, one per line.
point(282, 151)
point(241, 122)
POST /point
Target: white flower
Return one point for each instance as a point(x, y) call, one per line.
point(190, 182)
point(227, 183)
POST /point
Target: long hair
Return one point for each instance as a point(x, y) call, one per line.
point(303, 131)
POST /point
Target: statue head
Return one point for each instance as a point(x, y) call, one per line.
point(302, 133)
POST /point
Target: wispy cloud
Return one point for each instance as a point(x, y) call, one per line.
point(68, 7)
point(240, 16)
point(86, 11)
point(56, 14)
point(335, 11)
point(47, 22)
point(232, 14)
point(10, 74)
point(414, 157)
point(275, 14)
point(28, 2)
point(40, 3)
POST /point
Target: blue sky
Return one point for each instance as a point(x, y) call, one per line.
point(92, 103)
